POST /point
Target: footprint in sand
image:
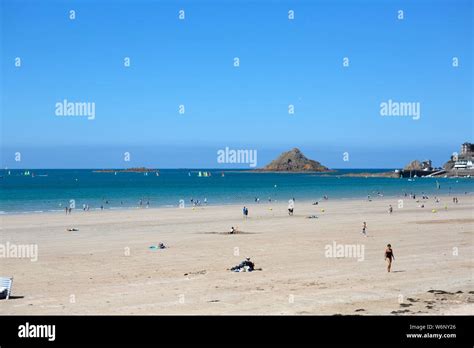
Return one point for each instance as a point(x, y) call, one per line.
point(440, 292)
point(195, 273)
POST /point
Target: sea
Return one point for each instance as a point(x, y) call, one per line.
point(49, 190)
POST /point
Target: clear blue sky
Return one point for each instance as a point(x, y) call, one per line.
point(190, 62)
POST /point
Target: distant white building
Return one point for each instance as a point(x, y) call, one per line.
point(465, 160)
point(463, 164)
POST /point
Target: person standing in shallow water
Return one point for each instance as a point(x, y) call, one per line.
point(389, 256)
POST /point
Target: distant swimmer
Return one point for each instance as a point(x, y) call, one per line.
point(389, 256)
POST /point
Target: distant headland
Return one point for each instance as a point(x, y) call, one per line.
point(459, 165)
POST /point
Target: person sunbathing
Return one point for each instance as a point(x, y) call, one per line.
point(244, 266)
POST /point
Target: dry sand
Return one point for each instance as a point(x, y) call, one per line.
point(107, 267)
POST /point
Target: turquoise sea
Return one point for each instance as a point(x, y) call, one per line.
point(52, 190)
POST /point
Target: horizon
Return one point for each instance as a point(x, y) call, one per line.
point(208, 162)
point(202, 168)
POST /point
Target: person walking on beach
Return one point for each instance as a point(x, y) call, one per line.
point(291, 206)
point(389, 256)
point(364, 228)
point(245, 211)
point(390, 209)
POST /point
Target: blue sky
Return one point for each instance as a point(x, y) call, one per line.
point(190, 62)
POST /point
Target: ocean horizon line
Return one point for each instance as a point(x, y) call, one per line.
point(194, 168)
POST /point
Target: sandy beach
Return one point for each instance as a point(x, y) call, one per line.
point(106, 267)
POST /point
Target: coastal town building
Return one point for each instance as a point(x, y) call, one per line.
point(465, 159)
point(467, 149)
point(426, 165)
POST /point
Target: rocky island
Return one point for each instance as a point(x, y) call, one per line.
point(294, 161)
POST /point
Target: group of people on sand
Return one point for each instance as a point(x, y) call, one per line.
point(197, 202)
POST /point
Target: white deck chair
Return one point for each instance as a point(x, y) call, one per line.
point(6, 285)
